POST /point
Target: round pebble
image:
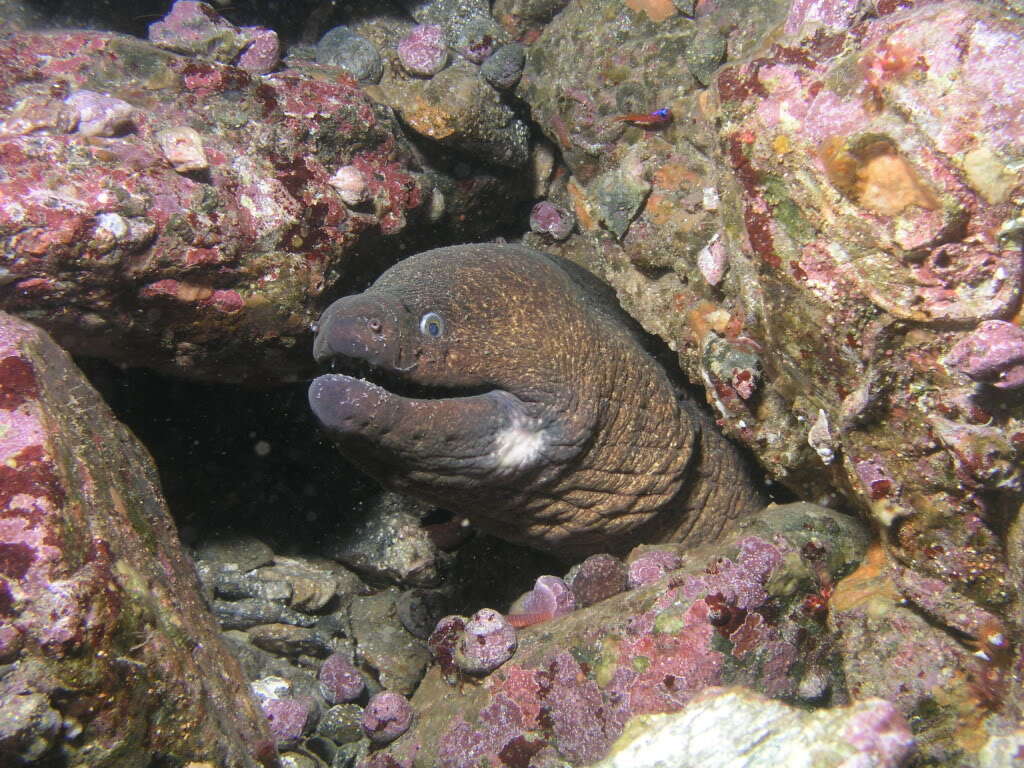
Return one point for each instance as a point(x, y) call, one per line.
point(424, 51)
point(100, 114)
point(418, 610)
point(546, 218)
point(487, 642)
point(504, 67)
point(344, 49)
point(342, 724)
point(387, 716)
point(476, 38)
point(596, 578)
point(350, 184)
point(443, 639)
point(289, 718)
point(182, 147)
point(11, 643)
point(339, 680)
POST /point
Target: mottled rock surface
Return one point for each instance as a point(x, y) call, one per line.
point(111, 658)
point(828, 235)
point(212, 273)
point(738, 729)
point(733, 615)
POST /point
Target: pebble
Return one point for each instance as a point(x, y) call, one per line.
point(546, 218)
point(233, 585)
point(312, 587)
point(487, 642)
point(384, 644)
point(597, 578)
point(713, 260)
point(291, 641)
point(340, 682)
point(297, 760)
point(100, 114)
point(289, 719)
point(271, 687)
point(30, 726)
point(424, 51)
point(993, 353)
point(38, 114)
point(442, 642)
point(245, 552)
point(350, 184)
point(505, 66)
point(387, 716)
point(476, 37)
point(387, 544)
point(242, 614)
point(11, 642)
point(419, 611)
point(264, 52)
point(182, 146)
point(342, 48)
point(342, 723)
point(196, 29)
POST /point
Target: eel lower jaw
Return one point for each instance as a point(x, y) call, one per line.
point(349, 404)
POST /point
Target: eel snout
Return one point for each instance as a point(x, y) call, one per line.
point(362, 328)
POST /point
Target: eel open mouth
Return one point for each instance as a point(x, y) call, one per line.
point(360, 397)
point(396, 382)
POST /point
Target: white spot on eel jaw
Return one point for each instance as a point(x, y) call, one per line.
point(518, 446)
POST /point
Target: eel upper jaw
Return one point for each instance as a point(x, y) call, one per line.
point(391, 378)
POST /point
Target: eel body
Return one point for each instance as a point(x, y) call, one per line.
point(506, 385)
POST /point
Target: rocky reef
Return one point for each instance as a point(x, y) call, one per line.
point(814, 206)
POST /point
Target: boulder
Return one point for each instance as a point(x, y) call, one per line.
point(110, 655)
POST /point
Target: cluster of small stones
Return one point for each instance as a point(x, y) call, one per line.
point(428, 48)
point(320, 679)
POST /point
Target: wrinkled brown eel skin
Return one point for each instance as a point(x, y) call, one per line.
point(507, 385)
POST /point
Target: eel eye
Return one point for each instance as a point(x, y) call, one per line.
point(431, 324)
point(374, 325)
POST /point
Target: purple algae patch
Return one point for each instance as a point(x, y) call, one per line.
point(17, 382)
point(29, 472)
point(650, 566)
point(582, 723)
point(15, 559)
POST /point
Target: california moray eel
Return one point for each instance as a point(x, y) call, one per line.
point(509, 387)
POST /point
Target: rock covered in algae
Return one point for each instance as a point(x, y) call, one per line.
point(831, 244)
point(96, 594)
point(732, 615)
point(209, 269)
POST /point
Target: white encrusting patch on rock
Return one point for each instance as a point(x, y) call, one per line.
point(518, 446)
